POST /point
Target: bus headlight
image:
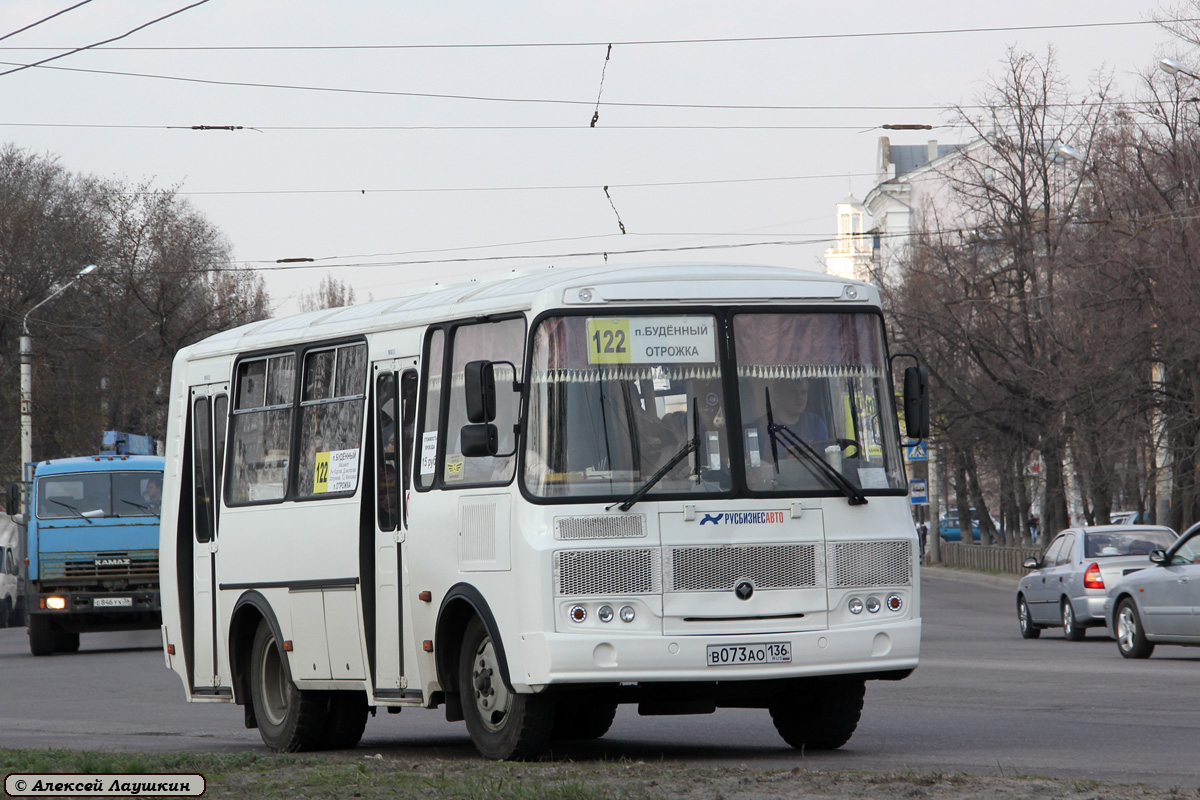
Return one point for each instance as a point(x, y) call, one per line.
point(605, 614)
point(627, 614)
point(855, 605)
point(873, 605)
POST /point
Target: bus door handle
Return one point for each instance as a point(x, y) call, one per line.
point(213, 547)
point(399, 536)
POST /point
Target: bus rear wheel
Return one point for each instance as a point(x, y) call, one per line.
point(347, 720)
point(821, 716)
point(502, 723)
point(289, 719)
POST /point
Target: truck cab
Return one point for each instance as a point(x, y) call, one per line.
point(91, 531)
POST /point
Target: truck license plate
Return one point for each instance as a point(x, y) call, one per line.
point(724, 655)
point(112, 602)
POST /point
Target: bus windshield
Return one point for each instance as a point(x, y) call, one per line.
point(813, 388)
point(614, 400)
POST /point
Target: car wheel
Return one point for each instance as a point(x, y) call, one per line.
point(1071, 627)
point(1131, 636)
point(1028, 629)
point(502, 723)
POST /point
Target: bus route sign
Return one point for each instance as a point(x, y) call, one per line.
point(651, 340)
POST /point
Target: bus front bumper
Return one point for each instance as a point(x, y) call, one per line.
point(557, 658)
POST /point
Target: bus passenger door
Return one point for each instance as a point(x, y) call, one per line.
point(209, 415)
point(394, 413)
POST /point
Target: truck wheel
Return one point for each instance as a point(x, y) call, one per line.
point(821, 716)
point(347, 720)
point(66, 641)
point(289, 719)
point(502, 723)
point(41, 635)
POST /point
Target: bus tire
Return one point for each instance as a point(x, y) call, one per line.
point(822, 716)
point(41, 635)
point(582, 716)
point(289, 720)
point(502, 723)
point(347, 720)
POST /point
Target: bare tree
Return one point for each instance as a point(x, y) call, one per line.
point(332, 293)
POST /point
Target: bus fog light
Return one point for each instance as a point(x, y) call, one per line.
point(873, 605)
point(627, 614)
point(605, 614)
point(577, 613)
point(57, 603)
point(895, 602)
point(855, 605)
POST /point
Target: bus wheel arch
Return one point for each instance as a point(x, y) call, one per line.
point(250, 610)
point(461, 604)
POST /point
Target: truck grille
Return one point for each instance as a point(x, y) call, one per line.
point(119, 564)
point(853, 564)
point(718, 568)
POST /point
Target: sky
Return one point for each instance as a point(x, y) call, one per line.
point(393, 160)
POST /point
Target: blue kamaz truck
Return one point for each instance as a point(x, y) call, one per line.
point(91, 535)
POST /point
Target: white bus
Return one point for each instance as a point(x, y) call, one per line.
point(532, 499)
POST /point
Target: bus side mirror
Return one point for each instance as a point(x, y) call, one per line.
point(916, 402)
point(480, 439)
point(480, 386)
point(12, 500)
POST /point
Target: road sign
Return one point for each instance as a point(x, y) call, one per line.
point(918, 452)
point(918, 492)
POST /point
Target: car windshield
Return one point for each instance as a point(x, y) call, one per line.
point(1188, 552)
point(613, 400)
point(1126, 543)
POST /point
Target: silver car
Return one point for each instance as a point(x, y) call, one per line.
point(1068, 586)
point(1160, 604)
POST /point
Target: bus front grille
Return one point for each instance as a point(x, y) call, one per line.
point(719, 568)
point(622, 570)
point(855, 564)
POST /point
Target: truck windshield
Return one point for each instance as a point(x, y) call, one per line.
point(90, 495)
point(614, 399)
point(821, 378)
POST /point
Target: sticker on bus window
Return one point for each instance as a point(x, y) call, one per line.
point(454, 467)
point(336, 471)
point(429, 453)
point(651, 340)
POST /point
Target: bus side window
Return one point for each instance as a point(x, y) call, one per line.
point(427, 448)
point(331, 420)
point(387, 488)
point(203, 465)
point(408, 418)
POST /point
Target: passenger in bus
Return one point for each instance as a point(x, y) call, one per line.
point(790, 408)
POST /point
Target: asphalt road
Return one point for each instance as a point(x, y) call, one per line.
point(984, 701)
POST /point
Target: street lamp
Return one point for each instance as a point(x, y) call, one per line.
point(1173, 67)
point(27, 373)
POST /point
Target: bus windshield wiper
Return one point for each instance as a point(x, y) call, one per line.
point(135, 505)
point(70, 508)
point(690, 446)
point(803, 451)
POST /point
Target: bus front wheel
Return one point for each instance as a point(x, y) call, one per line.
point(822, 716)
point(502, 723)
point(289, 719)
